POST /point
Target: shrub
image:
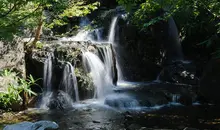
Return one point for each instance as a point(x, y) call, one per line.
point(16, 90)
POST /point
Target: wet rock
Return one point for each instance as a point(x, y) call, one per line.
point(185, 100)
point(134, 127)
point(187, 128)
point(19, 126)
point(40, 125)
point(95, 121)
point(151, 94)
point(132, 49)
point(59, 100)
point(12, 56)
point(179, 72)
point(209, 83)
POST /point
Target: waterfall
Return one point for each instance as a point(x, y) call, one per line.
point(111, 38)
point(107, 56)
point(47, 82)
point(69, 81)
point(101, 79)
point(63, 96)
point(48, 71)
point(175, 98)
point(98, 33)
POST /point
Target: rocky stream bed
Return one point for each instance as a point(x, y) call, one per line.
point(93, 116)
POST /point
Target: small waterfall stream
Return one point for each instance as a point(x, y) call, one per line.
point(67, 91)
point(48, 71)
point(100, 76)
point(47, 82)
point(69, 82)
point(111, 38)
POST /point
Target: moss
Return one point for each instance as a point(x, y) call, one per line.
point(84, 80)
point(15, 117)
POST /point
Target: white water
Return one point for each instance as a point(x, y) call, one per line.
point(111, 37)
point(100, 77)
point(47, 82)
point(102, 72)
point(48, 71)
point(175, 98)
point(64, 98)
point(69, 82)
point(122, 101)
point(46, 100)
point(108, 61)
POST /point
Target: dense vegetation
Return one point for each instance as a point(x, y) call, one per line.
point(27, 18)
point(20, 16)
point(198, 20)
point(16, 90)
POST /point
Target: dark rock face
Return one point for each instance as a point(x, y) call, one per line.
point(12, 56)
point(137, 55)
point(150, 94)
point(61, 54)
point(166, 34)
point(59, 100)
point(209, 84)
point(142, 53)
point(179, 72)
point(35, 67)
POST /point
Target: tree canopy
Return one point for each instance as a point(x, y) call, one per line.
point(193, 17)
point(18, 15)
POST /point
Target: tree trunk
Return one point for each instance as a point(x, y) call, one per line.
point(37, 33)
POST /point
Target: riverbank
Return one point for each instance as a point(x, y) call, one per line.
point(95, 116)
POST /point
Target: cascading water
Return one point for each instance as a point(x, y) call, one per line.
point(63, 96)
point(85, 34)
point(48, 71)
point(47, 82)
point(69, 82)
point(102, 72)
point(101, 79)
point(175, 98)
point(108, 60)
point(98, 33)
point(111, 38)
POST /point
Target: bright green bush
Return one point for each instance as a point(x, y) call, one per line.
point(15, 86)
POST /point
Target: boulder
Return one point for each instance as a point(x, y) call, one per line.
point(209, 83)
point(150, 94)
point(179, 72)
point(40, 125)
point(12, 56)
point(187, 128)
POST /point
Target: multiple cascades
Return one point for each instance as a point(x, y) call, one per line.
point(100, 61)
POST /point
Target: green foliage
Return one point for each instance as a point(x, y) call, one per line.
point(193, 17)
point(19, 15)
point(145, 9)
point(39, 45)
point(70, 9)
point(15, 15)
point(84, 80)
point(14, 87)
